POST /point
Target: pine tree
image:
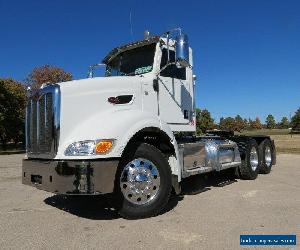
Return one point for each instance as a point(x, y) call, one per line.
point(295, 122)
point(270, 121)
point(284, 123)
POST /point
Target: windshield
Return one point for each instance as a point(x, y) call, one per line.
point(132, 62)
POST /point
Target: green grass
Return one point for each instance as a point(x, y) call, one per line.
point(269, 132)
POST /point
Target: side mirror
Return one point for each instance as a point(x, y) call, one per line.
point(182, 50)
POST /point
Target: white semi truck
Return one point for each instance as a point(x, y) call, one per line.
point(132, 132)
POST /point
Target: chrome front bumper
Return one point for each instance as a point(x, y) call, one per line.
point(70, 177)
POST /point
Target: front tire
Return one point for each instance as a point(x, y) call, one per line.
point(143, 182)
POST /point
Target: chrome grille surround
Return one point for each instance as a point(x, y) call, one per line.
point(43, 122)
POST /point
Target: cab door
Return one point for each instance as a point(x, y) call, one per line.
point(175, 100)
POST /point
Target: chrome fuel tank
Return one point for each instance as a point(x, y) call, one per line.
point(207, 155)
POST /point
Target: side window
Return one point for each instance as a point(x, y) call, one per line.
point(172, 70)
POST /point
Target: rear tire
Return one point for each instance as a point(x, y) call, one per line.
point(143, 182)
point(266, 152)
point(250, 161)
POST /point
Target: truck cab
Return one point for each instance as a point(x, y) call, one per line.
point(131, 132)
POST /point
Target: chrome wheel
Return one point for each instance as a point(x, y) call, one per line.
point(140, 181)
point(253, 158)
point(268, 156)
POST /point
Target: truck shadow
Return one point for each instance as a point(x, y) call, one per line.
point(89, 207)
point(101, 208)
point(201, 183)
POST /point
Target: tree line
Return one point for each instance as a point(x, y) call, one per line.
point(205, 122)
point(13, 100)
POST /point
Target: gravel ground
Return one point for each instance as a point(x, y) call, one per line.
point(207, 216)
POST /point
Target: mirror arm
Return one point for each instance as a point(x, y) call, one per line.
point(91, 72)
point(168, 34)
point(92, 67)
point(164, 67)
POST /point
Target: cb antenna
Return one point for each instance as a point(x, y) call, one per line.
point(130, 22)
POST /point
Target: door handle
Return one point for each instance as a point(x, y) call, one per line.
point(155, 85)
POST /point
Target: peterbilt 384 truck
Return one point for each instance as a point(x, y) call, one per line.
point(132, 132)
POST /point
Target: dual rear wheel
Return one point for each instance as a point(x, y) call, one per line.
point(256, 159)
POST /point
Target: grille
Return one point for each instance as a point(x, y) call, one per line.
point(41, 122)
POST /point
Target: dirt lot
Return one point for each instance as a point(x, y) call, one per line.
point(211, 219)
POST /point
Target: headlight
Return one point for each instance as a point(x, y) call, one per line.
point(89, 147)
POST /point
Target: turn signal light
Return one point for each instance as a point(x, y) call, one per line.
point(103, 146)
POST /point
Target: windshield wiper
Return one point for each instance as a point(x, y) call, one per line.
point(130, 74)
